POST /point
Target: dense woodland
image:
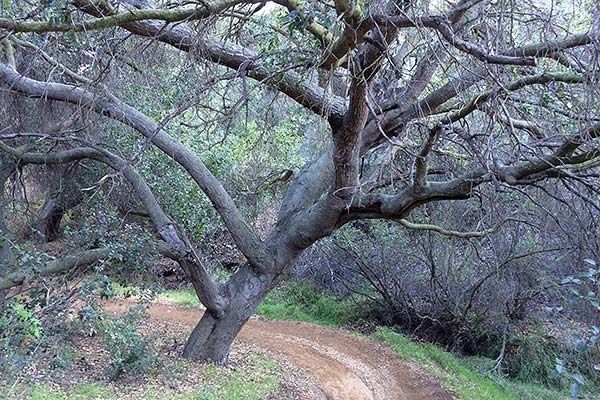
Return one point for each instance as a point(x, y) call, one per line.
point(417, 171)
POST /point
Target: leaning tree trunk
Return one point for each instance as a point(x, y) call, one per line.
point(213, 336)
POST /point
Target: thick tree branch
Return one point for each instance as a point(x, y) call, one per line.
point(514, 123)
point(420, 167)
point(397, 114)
point(56, 266)
point(178, 245)
point(107, 104)
point(352, 34)
point(444, 27)
point(399, 205)
point(312, 26)
point(450, 232)
point(131, 15)
point(184, 38)
point(546, 77)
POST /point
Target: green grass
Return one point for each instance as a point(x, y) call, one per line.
point(303, 303)
point(186, 298)
point(459, 374)
point(261, 381)
point(294, 303)
point(81, 392)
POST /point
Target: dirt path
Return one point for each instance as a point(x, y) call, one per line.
point(345, 367)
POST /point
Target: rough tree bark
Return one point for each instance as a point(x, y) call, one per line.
point(7, 258)
point(50, 215)
point(213, 336)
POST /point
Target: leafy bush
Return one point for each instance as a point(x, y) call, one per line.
point(20, 331)
point(470, 377)
point(530, 355)
point(130, 352)
point(581, 362)
point(301, 302)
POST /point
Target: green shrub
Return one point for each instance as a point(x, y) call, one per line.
point(130, 352)
point(20, 331)
point(530, 356)
point(469, 378)
point(301, 302)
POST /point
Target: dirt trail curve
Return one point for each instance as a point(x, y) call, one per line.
point(345, 367)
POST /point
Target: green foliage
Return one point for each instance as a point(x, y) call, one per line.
point(28, 258)
point(461, 376)
point(185, 298)
point(580, 365)
point(132, 249)
point(130, 352)
point(36, 325)
point(530, 355)
point(20, 330)
point(301, 302)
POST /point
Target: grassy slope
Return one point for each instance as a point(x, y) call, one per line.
point(466, 377)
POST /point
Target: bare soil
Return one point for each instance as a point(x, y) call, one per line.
point(343, 366)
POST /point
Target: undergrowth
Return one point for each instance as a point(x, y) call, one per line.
point(467, 377)
point(261, 381)
point(298, 302)
point(295, 302)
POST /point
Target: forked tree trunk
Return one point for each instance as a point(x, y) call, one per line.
point(213, 336)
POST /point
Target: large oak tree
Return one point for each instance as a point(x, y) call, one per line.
point(425, 101)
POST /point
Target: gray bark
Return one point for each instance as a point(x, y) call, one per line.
point(325, 195)
point(7, 258)
point(213, 336)
point(51, 213)
point(62, 264)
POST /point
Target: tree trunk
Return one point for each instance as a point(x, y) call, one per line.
point(49, 219)
point(57, 202)
point(212, 337)
point(7, 258)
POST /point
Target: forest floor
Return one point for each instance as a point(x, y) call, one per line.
point(301, 345)
point(343, 366)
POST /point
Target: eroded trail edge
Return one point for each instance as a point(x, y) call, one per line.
point(344, 366)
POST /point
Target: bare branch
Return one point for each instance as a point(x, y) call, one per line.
point(130, 15)
point(444, 27)
point(545, 77)
point(183, 38)
point(420, 167)
point(450, 232)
